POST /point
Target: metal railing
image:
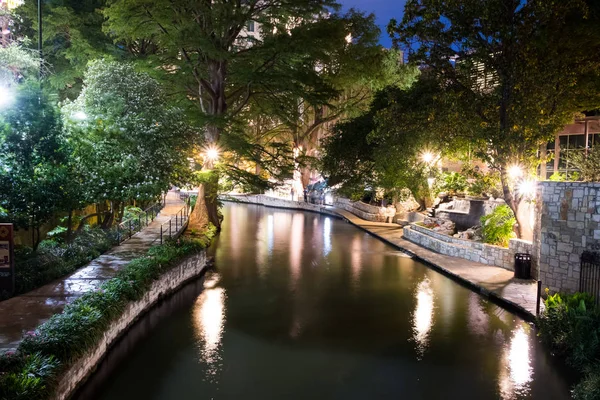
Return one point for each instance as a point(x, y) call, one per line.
point(589, 278)
point(131, 226)
point(174, 225)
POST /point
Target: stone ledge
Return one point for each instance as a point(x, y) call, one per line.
point(169, 282)
point(468, 250)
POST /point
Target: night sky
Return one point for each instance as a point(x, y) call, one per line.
point(383, 9)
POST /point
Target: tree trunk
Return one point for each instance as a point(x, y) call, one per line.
point(510, 200)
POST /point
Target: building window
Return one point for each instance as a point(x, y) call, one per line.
point(569, 144)
point(250, 26)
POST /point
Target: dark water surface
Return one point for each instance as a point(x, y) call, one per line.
point(303, 306)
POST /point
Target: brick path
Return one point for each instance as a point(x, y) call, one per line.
point(25, 312)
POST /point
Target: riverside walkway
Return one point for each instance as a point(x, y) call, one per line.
point(24, 313)
point(495, 283)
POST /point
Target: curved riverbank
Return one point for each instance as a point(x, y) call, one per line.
point(166, 284)
point(494, 283)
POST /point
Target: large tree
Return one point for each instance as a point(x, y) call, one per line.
point(72, 37)
point(128, 143)
point(215, 65)
point(518, 70)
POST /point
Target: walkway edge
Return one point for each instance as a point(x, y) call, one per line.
point(482, 291)
point(169, 282)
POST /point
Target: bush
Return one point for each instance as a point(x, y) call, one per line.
point(570, 326)
point(32, 372)
point(497, 227)
point(451, 183)
point(54, 259)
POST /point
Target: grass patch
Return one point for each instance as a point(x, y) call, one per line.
point(32, 371)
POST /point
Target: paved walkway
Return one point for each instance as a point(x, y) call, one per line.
point(25, 312)
point(493, 282)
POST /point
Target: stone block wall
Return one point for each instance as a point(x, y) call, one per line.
point(567, 224)
point(277, 202)
point(467, 249)
point(365, 211)
point(166, 284)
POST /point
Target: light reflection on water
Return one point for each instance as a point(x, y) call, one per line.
point(423, 316)
point(208, 319)
point(516, 373)
point(305, 306)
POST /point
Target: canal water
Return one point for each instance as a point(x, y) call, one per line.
point(305, 306)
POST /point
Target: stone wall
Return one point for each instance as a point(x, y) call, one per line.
point(467, 249)
point(567, 223)
point(278, 202)
point(169, 282)
point(365, 211)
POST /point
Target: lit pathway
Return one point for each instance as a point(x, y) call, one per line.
point(493, 282)
point(25, 312)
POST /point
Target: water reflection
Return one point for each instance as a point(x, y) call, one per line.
point(208, 318)
point(423, 316)
point(296, 246)
point(516, 373)
point(327, 236)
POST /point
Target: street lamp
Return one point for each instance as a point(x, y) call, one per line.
point(212, 153)
point(428, 157)
point(515, 171)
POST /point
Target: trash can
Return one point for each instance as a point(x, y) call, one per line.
point(522, 266)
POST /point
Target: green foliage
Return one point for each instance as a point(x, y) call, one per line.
point(570, 326)
point(497, 227)
point(511, 71)
point(32, 372)
point(32, 159)
point(18, 62)
point(128, 143)
point(589, 387)
point(451, 183)
point(587, 164)
point(54, 260)
point(72, 37)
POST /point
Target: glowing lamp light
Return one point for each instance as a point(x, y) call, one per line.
point(212, 153)
point(527, 188)
point(515, 171)
point(427, 157)
point(6, 96)
point(349, 38)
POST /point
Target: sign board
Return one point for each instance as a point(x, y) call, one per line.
point(7, 258)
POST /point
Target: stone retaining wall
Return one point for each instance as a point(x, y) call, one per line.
point(467, 249)
point(168, 283)
point(269, 201)
point(567, 224)
point(363, 210)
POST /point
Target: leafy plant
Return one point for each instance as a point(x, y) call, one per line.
point(497, 227)
point(32, 371)
point(451, 183)
point(587, 164)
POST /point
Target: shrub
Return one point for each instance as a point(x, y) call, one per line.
point(451, 182)
point(587, 164)
point(32, 372)
point(54, 259)
point(497, 227)
point(570, 326)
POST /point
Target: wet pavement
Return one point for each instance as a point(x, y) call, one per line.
point(24, 313)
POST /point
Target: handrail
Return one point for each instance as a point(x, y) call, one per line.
point(181, 218)
point(131, 226)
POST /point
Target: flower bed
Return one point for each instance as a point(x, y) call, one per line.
point(44, 355)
